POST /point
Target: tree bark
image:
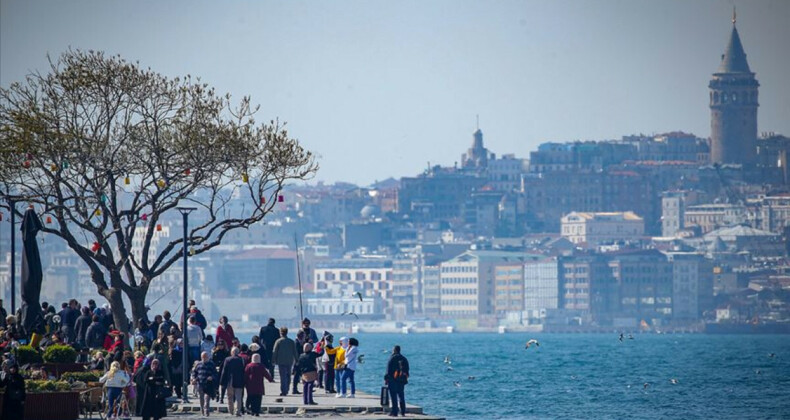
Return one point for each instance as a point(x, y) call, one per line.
point(137, 298)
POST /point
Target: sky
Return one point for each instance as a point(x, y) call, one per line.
point(380, 89)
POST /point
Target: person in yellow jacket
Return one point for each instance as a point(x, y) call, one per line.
point(340, 361)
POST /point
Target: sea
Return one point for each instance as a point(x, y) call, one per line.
point(587, 376)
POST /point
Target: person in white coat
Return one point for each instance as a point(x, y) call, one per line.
point(115, 380)
point(351, 366)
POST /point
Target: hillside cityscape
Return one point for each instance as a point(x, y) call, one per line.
point(663, 232)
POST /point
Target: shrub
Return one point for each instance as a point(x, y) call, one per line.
point(26, 355)
point(60, 353)
point(37, 386)
point(90, 376)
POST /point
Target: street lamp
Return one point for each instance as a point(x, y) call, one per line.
point(185, 346)
point(12, 206)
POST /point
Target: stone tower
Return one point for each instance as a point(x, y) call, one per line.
point(733, 106)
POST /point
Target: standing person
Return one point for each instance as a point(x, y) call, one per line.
point(340, 364)
point(115, 380)
point(396, 378)
point(207, 345)
point(299, 342)
point(156, 324)
point(166, 324)
point(233, 379)
point(3, 314)
point(351, 366)
point(329, 364)
point(14, 395)
point(284, 356)
point(194, 336)
point(195, 312)
point(310, 334)
point(309, 372)
point(95, 334)
point(205, 377)
point(82, 324)
point(254, 374)
point(154, 393)
point(269, 335)
point(225, 331)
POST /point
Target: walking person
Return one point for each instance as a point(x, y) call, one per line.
point(206, 379)
point(219, 354)
point(115, 380)
point(233, 379)
point(284, 356)
point(309, 372)
point(194, 338)
point(396, 378)
point(155, 393)
point(351, 366)
point(268, 336)
point(254, 374)
point(297, 373)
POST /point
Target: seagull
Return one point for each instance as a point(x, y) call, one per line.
point(531, 342)
point(630, 337)
point(573, 377)
point(645, 385)
point(758, 371)
point(359, 295)
point(447, 360)
point(385, 351)
point(471, 378)
point(350, 313)
point(772, 355)
point(457, 384)
point(621, 337)
point(449, 368)
point(361, 359)
point(673, 381)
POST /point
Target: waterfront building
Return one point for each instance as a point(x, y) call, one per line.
point(468, 283)
point(644, 281)
point(593, 229)
point(708, 217)
point(369, 276)
point(692, 284)
point(541, 287)
point(509, 288)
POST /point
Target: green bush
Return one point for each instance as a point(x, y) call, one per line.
point(36, 386)
point(90, 376)
point(27, 354)
point(60, 353)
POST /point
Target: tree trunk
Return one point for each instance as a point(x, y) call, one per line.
point(137, 299)
point(120, 320)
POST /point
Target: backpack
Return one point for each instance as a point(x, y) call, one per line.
point(401, 375)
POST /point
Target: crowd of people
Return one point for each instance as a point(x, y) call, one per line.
point(150, 369)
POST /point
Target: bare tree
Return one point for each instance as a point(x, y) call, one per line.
point(103, 149)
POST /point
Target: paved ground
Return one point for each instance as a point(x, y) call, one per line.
point(364, 406)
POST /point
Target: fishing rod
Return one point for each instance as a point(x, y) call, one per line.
point(299, 277)
point(163, 295)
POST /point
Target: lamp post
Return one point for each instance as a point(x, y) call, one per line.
point(185, 349)
point(12, 276)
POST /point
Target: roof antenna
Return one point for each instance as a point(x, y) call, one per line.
point(733, 15)
point(477, 118)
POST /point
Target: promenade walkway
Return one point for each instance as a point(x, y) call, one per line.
point(365, 406)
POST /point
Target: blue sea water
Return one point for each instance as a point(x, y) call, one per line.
point(588, 375)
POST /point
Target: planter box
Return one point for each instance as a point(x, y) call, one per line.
point(50, 405)
point(58, 369)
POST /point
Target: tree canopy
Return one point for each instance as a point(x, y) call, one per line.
point(103, 148)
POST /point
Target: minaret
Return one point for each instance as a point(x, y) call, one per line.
point(733, 106)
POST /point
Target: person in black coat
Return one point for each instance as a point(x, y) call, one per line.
point(82, 324)
point(269, 335)
point(154, 393)
point(139, 383)
point(94, 335)
point(396, 378)
point(14, 396)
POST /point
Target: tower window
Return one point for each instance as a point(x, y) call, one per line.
point(734, 97)
point(715, 97)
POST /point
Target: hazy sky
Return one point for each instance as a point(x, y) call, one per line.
point(379, 89)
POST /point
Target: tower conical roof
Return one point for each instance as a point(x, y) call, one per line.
point(734, 58)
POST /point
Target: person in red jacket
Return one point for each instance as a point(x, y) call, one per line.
point(225, 331)
point(254, 374)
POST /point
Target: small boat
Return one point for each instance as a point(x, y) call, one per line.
point(405, 330)
point(450, 330)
